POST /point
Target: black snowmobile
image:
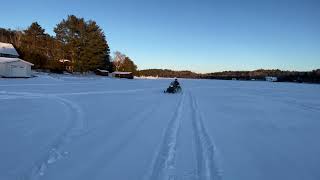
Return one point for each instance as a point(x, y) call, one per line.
point(174, 87)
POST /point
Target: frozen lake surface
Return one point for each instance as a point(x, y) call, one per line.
point(80, 128)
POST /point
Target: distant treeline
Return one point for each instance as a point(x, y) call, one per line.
point(283, 76)
point(168, 73)
point(82, 43)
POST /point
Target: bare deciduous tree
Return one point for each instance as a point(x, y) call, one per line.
point(118, 60)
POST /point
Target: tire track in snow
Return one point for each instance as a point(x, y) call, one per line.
point(205, 150)
point(76, 127)
point(164, 163)
point(34, 95)
point(106, 92)
point(41, 84)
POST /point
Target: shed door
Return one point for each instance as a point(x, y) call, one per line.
point(18, 71)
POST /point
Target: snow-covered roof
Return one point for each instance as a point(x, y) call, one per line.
point(8, 60)
point(64, 60)
point(101, 70)
point(118, 72)
point(6, 48)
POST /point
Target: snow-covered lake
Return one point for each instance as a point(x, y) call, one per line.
point(72, 128)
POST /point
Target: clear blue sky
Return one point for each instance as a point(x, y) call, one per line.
point(198, 35)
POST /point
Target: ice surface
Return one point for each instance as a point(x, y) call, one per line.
point(88, 127)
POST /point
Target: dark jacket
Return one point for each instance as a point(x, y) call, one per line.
point(175, 83)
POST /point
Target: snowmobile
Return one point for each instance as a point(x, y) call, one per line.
point(173, 89)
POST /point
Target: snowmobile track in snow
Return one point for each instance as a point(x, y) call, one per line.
point(127, 91)
point(205, 149)
point(76, 127)
point(164, 163)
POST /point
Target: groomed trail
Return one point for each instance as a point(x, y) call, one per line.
point(78, 128)
point(184, 154)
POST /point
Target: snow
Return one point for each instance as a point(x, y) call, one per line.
point(119, 72)
point(9, 60)
point(101, 70)
point(90, 127)
point(64, 60)
point(6, 48)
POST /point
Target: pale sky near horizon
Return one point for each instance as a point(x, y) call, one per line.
point(202, 36)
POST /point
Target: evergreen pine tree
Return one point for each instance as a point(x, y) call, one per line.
point(84, 43)
point(35, 45)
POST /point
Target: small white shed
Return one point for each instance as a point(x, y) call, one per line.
point(271, 79)
point(14, 67)
point(10, 64)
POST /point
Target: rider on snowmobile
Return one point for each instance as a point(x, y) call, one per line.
point(174, 87)
point(175, 83)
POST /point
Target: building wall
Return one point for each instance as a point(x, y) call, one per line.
point(3, 69)
point(271, 79)
point(28, 70)
point(6, 69)
point(127, 76)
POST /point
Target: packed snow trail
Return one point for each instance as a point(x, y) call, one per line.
point(164, 165)
point(171, 162)
point(78, 128)
point(206, 151)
